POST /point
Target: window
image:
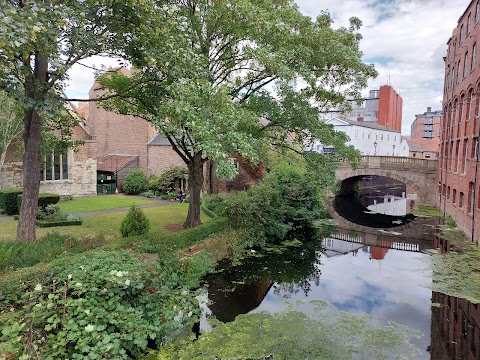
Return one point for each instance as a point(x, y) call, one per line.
point(356, 133)
point(465, 65)
point(55, 167)
point(388, 137)
point(458, 72)
point(474, 150)
point(368, 136)
point(470, 105)
point(465, 154)
point(468, 23)
point(454, 196)
point(453, 78)
point(471, 196)
point(461, 34)
point(474, 54)
point(381, 137)
point(477, 12)
point(448, 192)
point(460, 201)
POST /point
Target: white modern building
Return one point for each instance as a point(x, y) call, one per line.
point(369, 138)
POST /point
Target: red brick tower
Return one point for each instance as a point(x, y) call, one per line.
point(390, 106)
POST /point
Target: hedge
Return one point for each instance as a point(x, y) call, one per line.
point(8, 200)
point(44, 199)
point(45, 224)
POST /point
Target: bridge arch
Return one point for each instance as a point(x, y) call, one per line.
point(419, 175)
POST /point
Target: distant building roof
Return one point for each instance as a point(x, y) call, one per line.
point(115, 162)
point(366, 124)
point(423, 145)
point(159, 140)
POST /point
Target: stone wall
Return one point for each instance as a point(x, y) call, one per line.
point(11, 175)
point(82, 174)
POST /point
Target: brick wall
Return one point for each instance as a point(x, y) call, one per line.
point(457, 173)
point(160, 157)
point(118, 134)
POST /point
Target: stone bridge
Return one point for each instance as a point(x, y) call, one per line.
point(419, 175)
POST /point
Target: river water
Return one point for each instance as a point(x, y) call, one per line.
point(381, 270)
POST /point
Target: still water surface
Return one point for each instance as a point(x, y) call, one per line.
point(382, 271)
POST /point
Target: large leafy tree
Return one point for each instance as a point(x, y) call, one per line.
point(253, 74)
point(40, 40)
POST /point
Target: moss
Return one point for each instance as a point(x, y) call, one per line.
point(427, 211)
point(293, 334)
point(457, 272)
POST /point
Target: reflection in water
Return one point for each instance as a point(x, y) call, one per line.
point(455, 328)
point(371, 276)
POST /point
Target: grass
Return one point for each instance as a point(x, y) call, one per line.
point(107, 226)
point(99, 203)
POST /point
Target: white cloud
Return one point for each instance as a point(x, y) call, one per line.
point(411, 34)
point(405, 39)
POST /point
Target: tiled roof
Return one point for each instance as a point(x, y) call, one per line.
point(115, 162)
point(423, 145)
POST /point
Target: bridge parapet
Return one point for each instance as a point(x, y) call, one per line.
point(399, 163)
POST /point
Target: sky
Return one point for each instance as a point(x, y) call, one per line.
point(405, 39)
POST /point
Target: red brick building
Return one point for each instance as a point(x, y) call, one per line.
point(426, 125)
point(382, 107)
point(458, 173)
point(390, 106)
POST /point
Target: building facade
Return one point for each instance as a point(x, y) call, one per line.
point(458, 173)
point(383, 106)
point(426, 125)
point(368, 138)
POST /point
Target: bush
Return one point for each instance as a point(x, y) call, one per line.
point(287, 200)
point(214, 202)
point(165, 182)
point(135, 223)
point(44, 199)
point(108, 305)
point(8, 200)
point(135, 182)
point(18, 254)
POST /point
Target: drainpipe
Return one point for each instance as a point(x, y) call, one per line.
point(475, 185)
point(447, 159)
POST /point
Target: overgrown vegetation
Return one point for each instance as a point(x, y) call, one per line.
point(135, 182)
point(102, 305)
point(287, 200)
point(167, 181)
point(135, 223)
point(293, 334)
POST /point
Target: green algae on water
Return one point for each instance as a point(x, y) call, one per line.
point(321, 333)
point(457, 273)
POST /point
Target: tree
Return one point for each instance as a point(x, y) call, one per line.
point(40, 40)
point(253, 74)
point(11, 125)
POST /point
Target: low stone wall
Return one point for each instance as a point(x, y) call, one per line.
point(11, 175)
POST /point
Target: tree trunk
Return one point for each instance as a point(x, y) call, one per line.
point(35, 89)
point(195, 183)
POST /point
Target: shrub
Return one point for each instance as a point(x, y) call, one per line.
point(165, 182)
point(44, 199)
point(287, 200)
point(214, 203)
point(18, 254)
point(8, 200)
point(108, 305)
point(135, 182)
point(135, 223)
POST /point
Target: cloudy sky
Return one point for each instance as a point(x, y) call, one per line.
point(405, 39)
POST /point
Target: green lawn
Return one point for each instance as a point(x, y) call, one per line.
point(107, 226)
point(98, 203)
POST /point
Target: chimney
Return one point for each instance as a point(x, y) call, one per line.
point(359, 118)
